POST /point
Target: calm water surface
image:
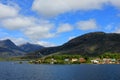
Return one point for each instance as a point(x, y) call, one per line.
point(11, 71)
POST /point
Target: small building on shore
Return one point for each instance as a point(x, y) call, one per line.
point(66, 60)
point(95, 61)
point(74, 60)
point(82, 60)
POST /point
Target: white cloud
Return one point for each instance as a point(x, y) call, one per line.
point(115, 3)
point(39, 32)
point(8, 11)
point(64, 28)
point(19, 41)
point(32, 27)
point(87, 25)
point(17, 22)
point(45, 44)
point(56, 7)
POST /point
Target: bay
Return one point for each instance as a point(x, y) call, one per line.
point(15, 71)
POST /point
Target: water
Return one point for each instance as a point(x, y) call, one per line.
point(11, 71)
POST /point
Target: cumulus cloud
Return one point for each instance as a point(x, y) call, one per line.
point(8, 11)
point(87, 25)
point(56, 7)
point(17, 22)
point(39, 31)
point(64, 28)
point(32, 27)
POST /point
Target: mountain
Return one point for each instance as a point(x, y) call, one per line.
point(8, 48)
point(91, 44)
point(28, 47)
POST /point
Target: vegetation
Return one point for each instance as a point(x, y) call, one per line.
point(64, 58)
point(68, 59)
point(110, 55)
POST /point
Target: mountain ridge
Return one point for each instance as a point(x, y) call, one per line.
point(28, 47)
point(10, 49)
point(90, 44)
point(94, 43)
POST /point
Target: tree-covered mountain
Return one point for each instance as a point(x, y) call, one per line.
point(94, 43)
point(28, 47)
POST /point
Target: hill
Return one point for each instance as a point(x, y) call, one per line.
point(90, 44)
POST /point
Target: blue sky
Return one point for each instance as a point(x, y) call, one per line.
point(54, 22)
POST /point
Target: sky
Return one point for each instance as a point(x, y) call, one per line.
point(54, 22)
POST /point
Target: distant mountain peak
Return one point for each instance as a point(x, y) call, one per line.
point(8, 48)
point(6, 40)
point(29, 47)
